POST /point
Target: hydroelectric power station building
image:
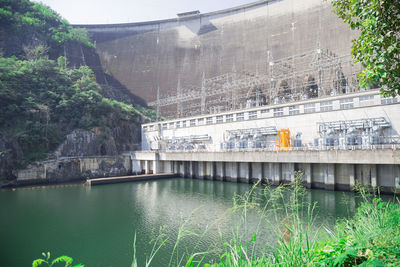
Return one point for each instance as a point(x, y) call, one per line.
point(255, 92)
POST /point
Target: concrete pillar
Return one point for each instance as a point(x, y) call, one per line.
point(191, 174)
point(167, 167)
point(329, 176)
point(288, 172)
point(373, 175)
point(267, 172)
point(244, 172)
point(201, 170)
point(207, 170)
point(185, 166)
point(307, 174)
point(176, 167)
point(135, 165)
point(256, 172)
point(220, 171)
point(146, 167)
point(272, 172)
point(156, 166)
point(231, 171)
point(210, 170)
point(352, 176)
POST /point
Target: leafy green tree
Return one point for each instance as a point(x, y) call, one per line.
point(378, 46)
point(22, 22)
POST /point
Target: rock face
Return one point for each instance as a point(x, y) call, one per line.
point(9, 153)
point(103, 142)
point(86, 143)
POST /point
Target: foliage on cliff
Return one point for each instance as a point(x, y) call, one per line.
point(41, 101)
point(24, 24)
point(378, 46)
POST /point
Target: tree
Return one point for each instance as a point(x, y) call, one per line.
point(378, 46)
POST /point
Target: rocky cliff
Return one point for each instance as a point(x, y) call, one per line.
point(56, 100)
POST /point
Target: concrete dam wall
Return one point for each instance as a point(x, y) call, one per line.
point(178, 57)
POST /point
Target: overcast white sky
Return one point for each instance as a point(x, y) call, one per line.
point(121, 11)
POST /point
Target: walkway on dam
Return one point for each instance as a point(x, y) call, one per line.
point(131, 178)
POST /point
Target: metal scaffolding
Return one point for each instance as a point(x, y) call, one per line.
point(307, 75)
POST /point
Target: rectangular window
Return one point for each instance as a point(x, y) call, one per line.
point(183, 124)
point(263, 111)
point(346, 103)
point(240, 116)
point(178, 124)
point(171, 125)
point(278, 112)
point(229, 118)
point(192, 122)
point(366, 100)
point(164, 126)
point(144, 128)
point(388, 100)
point(294, 110)
point(309, 108)
point(252, 115)
point(325, 106)
point(220, 119)
point(209, 120)
point(200, 121)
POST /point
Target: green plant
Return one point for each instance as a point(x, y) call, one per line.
point(378, 46)
point(59, 260)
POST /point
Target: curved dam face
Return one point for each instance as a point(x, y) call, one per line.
point(266, 51)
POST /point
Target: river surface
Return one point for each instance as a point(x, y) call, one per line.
point(97, 225)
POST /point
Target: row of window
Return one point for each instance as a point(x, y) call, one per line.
point(345, 103)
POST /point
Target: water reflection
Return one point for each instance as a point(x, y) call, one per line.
point(96, 225)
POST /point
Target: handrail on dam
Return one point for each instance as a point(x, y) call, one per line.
point(274, 149)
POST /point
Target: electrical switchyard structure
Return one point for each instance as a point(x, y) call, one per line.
point(308, 75)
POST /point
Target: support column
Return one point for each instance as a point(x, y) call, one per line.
point(276, 173)
point(191, 174)
point(176, 167)
point(288, 172)
point(201, 171)
point(256, 172)
point(231, 171)
point(156, 166)
point(185, 166)
point(210, 170)
point(167, 167)
point(220, 171)
point(352, 176)
point(329, 176)
point(373, 175)
point(146, 167)
point(135, 165)
point(306, 167)
point(244, 172)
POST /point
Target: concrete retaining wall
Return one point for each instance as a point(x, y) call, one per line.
point(69, 169)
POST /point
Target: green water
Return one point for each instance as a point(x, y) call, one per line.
point(96, 225)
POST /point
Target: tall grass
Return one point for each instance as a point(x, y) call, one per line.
point(370, 238)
